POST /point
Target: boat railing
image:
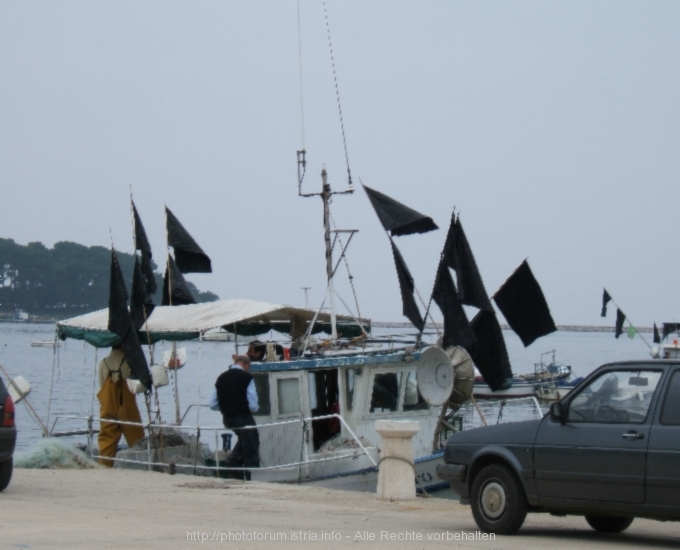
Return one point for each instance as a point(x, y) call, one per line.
point(150, 427)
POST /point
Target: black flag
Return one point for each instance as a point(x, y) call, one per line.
point(620, 318)
point(457, 331)
point(189, 256)
point(181, 295)
point(657, 338)
point(458, 256)
point(667, 328)
point(120, 323)
point(141, 241)
point(119, 316)
point(142, 244)
point(605, 300)
point(489, 353)
point(407, 287)
point(521, 301)
point(397, 218)
point(148, 274)
point(141, 302)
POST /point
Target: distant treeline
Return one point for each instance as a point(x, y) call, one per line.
point(67, 280)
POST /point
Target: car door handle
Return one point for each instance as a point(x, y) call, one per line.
point(633, 435)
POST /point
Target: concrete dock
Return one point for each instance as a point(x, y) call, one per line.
point(102, 509)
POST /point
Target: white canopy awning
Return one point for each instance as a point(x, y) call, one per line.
point(188, 321)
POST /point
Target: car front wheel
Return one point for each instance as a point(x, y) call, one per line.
point(498, 502)
point(607, 524)
point(6, 467)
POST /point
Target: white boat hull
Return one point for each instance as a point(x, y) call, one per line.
point(366, 479)
point(483, 391)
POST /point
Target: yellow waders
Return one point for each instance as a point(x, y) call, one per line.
point(117, 403)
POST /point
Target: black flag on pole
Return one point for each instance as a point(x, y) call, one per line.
point(120, 323)
point(458, 256)
point(189, 256)
point(148, 275)
point(141, 302)
point(521, 301)
point(407, 287)
point(397, 218)
point(667, 328)
point(142, 244)
point(174, 281)
point(620, 318)
point(657, 338)
point(119, 316)
point(457, 331)
point(605, 300)
point(141, 240)
point(489, 353)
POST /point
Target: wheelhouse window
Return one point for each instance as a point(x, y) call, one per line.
point(288, 391)
point(262, 389)
point(413, 401)
point(616, 397)
point(350, 379)
point(385, 396)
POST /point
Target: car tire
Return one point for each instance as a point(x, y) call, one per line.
point(6, 467)
point(609, 524)
point(498, 502)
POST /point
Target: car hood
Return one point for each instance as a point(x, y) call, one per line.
point(511, 433)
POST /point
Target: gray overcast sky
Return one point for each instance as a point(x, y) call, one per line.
point(553, 127)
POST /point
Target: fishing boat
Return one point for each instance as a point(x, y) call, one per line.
point(512, 388)
point(549, 379)
point(556, 390)
point(319, 400)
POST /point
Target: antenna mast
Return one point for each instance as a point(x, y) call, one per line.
point(326, 194)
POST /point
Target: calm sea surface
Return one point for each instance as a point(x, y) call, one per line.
point(74, 365)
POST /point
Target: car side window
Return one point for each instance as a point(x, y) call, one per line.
point(615, 397)
point(670, 414)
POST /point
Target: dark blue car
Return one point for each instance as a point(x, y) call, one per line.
point(610, 451)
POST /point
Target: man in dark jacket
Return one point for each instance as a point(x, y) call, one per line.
point(236, 398)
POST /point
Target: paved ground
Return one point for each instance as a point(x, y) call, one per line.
point(126, 509)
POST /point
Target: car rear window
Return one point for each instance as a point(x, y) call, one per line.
point(670, 414)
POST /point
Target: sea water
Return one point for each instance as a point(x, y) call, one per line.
point(68, 372)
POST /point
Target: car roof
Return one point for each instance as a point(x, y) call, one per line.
point(658, 363)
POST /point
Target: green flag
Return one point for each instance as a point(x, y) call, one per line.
point(631, 332)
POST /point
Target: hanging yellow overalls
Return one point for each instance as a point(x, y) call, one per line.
point(117, 402)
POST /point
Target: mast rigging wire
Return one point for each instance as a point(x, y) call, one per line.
point(302, 108)
point(337, 94)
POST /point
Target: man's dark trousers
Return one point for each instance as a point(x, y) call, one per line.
point(246, 452)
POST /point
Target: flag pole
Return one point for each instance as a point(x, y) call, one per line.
point(629, 321)
point(173, 356)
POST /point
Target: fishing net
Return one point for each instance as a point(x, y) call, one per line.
point(51, 453)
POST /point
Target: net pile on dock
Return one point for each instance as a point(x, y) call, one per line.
point(51, 453)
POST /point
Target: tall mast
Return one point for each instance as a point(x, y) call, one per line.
point(326, 195)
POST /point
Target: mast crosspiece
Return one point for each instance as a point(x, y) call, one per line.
point(326, 194)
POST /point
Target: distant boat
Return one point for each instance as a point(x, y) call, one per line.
point(45, 344)
point(514, 388)
point(217, 336)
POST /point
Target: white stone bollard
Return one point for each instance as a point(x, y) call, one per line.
point(396, 476)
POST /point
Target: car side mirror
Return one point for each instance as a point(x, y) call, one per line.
point(557, 412)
